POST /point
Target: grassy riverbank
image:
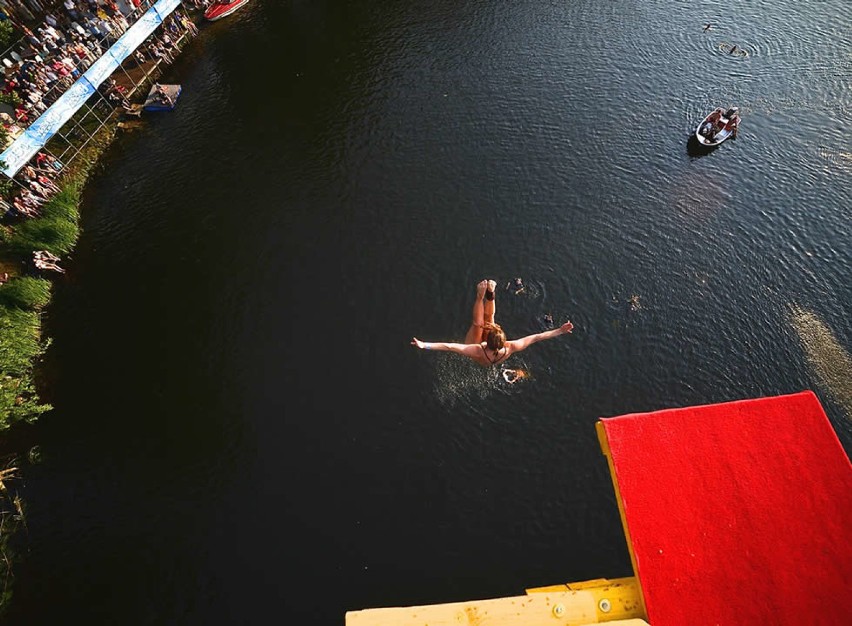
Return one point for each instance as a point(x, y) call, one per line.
point(26, 294)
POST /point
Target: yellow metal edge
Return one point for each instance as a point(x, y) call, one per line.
point(564, 608)
point(604, 443)
point(616, 599)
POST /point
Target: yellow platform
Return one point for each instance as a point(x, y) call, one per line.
point(614, 602)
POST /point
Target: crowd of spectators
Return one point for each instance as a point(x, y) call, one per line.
point(54, 54)
point(49, 58)
point(37, 185)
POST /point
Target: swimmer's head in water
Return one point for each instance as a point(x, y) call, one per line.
point(495, 338)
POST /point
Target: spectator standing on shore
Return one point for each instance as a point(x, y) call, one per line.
point(159, 52)
point(109, 7)
point(188, 24)
point(168, 45)
point(125, 7)
point(68, 64)
point(49, 48)
point(46, 161)
point(48, 75)
point(31, 38)
point(121, 22)
point(22, 113)
point(24, 208)
point(49, 32)
point(37, 189)
point(76, 28)
point(48, 184)
point(83, 54)
point(30, 199)
point(28, 172)
point(71, 9)
point(95, 47)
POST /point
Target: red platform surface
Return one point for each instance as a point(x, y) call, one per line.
point(737, 513)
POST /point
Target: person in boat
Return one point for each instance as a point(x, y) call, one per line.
point(485, 342)
point(710, 127)
point(733, 121)
point(162, 96)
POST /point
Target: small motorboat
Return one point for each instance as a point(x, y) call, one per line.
point(718, 126)
point(223, 8)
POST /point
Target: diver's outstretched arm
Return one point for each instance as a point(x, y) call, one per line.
point(516, 345)
point(467, 349)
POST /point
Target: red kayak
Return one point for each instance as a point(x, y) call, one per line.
point(221, 8)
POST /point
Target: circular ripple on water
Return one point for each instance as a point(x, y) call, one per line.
point(734, 50)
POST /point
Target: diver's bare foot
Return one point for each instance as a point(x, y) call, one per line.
point(489, 293)
point(480, 288)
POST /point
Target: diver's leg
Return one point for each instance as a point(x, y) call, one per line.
point(474, 333)
point(490, 305)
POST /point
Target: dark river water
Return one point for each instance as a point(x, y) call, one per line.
point(242, 432)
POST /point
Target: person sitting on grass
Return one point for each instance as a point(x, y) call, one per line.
point(44, 260)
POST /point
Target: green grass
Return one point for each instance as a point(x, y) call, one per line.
point(22, 300)
point(20, 346)
point(26, 292)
